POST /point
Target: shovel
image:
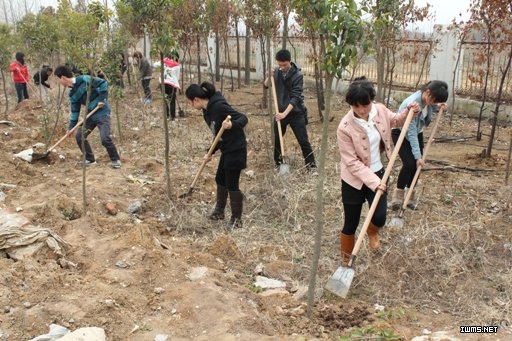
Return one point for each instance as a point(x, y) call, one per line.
point(31, 156)
point(210, 152)
point(339, 283)
point(284, 169)
point(398, 221)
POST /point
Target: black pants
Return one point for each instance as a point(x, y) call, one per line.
point(229, 169)
point(170, 93)
point(408, 161)
point(147, 89)
point(103, 124)
point(21, 91)
point(353, 200)
point(298, 124)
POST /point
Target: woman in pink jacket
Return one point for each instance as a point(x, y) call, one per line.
point(362, 135)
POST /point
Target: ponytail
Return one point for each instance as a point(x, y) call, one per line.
point(205, 90)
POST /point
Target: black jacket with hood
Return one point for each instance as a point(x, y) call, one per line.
point(217, 110)
point(290, 90)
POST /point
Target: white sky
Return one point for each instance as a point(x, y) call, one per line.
point(445, 11)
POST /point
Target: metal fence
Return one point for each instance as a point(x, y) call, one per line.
point(412, 63)
point(473, 68)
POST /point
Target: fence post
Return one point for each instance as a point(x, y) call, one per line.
point(212, 53)
point(444, 58)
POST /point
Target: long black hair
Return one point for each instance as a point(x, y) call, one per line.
point(205, 90)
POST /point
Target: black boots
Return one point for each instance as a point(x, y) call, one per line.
point(222, 198)
point(237, 205)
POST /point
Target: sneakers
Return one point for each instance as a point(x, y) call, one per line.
point(147, 101)
point(89, 163)
point(116, 164)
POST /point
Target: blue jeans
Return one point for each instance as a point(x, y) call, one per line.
point(21, 91)
point(103, 124)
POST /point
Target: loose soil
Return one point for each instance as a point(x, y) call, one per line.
point(449, 266)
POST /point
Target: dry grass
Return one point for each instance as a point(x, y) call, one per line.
point(449, 257)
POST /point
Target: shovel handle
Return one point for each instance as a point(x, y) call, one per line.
point(383, 182)
point(210, 152)
point(276, 109)
point(425, 152)
point(73, 129)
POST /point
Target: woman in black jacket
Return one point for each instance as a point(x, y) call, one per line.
point(232, 145)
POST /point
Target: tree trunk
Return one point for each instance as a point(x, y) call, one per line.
point(286, 15)
point(247, 78)
point(498, 103)
point(265, 91)
point(391, 72)
point(166, 130)
point(381, 60)
point(319, 207)
point(199, 58)
point(217, 57)
point(265, 41)
point(226, 52)
point(5, 93)
point(487, 71)
point(318, 79)
point(507, 172)
point(239, 67)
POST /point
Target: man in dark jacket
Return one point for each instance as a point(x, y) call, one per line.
point(101, 119)
point(292, 111)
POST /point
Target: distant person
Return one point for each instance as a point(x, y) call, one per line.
point(172, 69)
point(101, 119)
point(20, 76)
point(431, 97)
point(145, 75)
point(41, 79)
point(289, 83)
point(233, 147)
point(363, 133)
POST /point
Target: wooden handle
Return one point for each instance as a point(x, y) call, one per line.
point(385, 177)
point(210, 151)
point(424, 158)
point(276, 108)
point(73, 129)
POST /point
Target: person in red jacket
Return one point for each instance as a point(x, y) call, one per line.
point(20, 76)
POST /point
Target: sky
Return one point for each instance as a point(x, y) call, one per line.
point(445, 11)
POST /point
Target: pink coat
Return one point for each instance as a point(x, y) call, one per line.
point(355, 147)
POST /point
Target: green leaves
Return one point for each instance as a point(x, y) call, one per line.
point(340, 27)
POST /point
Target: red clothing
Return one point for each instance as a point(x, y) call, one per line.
point(19, 72)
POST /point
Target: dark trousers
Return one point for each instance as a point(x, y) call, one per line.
point(147, 89)
point(408, 161)
point(170, 93)
point(103, 124)
point(228, 177)
point(21, 91)
point(353, 200)
point(298, 124)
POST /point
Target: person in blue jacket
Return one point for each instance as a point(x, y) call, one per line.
point(233, 147)
point(98, 98)
point(431, 97)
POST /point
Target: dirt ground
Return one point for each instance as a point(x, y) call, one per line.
point(135, 273)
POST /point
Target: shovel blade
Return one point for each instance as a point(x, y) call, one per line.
point(284, 169)
point(186, 194)
point(339, 283)
point(26, 155)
